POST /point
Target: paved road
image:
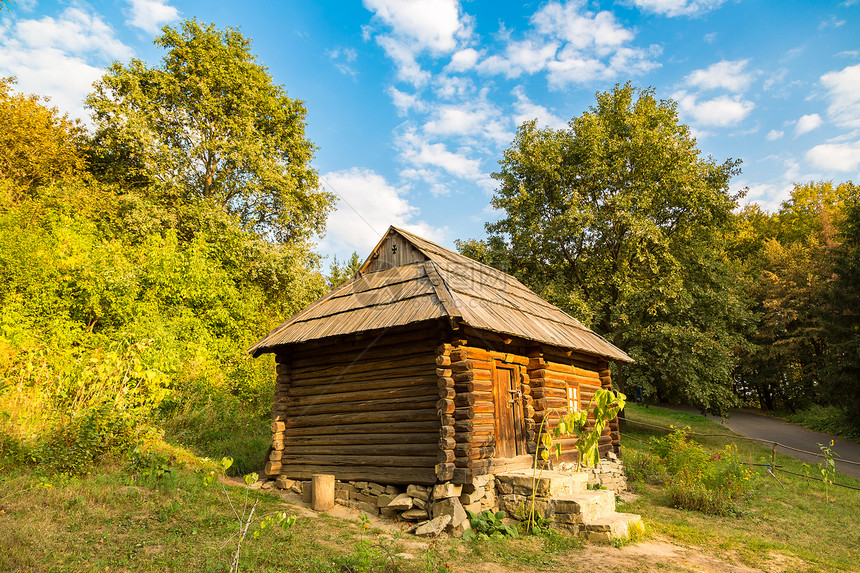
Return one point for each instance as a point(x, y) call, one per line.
point(777, 430)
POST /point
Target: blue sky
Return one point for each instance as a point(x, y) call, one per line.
point(412, 102)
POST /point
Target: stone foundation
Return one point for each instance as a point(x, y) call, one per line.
point(609, 474)
point(562, 496)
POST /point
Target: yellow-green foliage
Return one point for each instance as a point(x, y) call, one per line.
point(124, 319)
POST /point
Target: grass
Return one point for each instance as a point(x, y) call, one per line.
point(793, 523)
point(113, 520)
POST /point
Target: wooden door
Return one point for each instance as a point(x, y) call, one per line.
point(507, 396)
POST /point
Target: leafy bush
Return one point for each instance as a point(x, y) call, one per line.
point(710, 482)
point(119, 317)
point(828, 419)
point(488, 525)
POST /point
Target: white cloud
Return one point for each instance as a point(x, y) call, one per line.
point(673, 8)
point(844, 95)
point(831, 22)
point(527, 56)
point(721, 111)
point(405, 102)
point(453, 87)
point(774, 134)
point(420, 153)
point(579, 27)
point(775, 79)
point(342, 58)
point(439, 190)
point(59, 57)
point(573, 45)
point(463, 60)
point(478, 118)
point(366, 206)
point(807, 123)
point(434, 25)
point(836, 156)
point(151, 15)
point(408, 69)
point(526, 110)
point(727, 75)
point(778, 188)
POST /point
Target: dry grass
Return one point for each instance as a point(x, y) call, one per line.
point(112, 521)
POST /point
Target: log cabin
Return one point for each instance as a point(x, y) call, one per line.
point(426, 367)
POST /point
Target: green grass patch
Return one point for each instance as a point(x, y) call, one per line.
point(785, 519)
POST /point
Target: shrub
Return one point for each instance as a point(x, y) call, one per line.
point(644, 468)
point(698, 480)
point(828, 419)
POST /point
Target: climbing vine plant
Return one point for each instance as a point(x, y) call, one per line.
point(603, 408)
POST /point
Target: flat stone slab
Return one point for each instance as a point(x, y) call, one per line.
point(589, 505)
point(614, 526)
point(433, 527)
point(550, 484)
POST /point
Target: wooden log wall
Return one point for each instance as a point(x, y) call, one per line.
point(551, 374)
point(614, 431)
point(362, 409)
point(474, 413)
point(475, 421)
point(445, 411)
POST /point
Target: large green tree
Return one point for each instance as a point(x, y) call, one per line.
point(844, 317)
point(788, 267)
point(617, 219)
point(209, 124)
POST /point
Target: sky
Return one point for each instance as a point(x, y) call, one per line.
point(412, 103)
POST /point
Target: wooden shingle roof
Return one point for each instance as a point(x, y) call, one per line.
point(408, 279)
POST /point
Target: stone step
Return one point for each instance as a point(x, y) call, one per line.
point(584, 507)
point(550, 483)
point(614, 526)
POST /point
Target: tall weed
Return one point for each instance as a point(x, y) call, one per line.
point(712, 482)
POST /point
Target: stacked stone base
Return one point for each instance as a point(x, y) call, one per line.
point(563, 498)
point(608, 474)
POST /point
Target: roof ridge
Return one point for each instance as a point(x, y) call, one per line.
point(413, 238)
point(443, 291)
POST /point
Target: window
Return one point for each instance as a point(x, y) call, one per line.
point(572, 401)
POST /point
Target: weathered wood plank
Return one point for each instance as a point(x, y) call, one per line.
point(362, 439)
point(360, 395)
point(291, 452)
point(323, 370)
point(388, 475)
point(392, 427)
point(336, 386)
point(406, 403)
point(322, 420)
point(360, 460)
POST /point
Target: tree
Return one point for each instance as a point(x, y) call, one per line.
point(843, 325)
point(38, 146)
point(788, 267)
point(616, 219)
point(209, 124)
point(340, 273)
